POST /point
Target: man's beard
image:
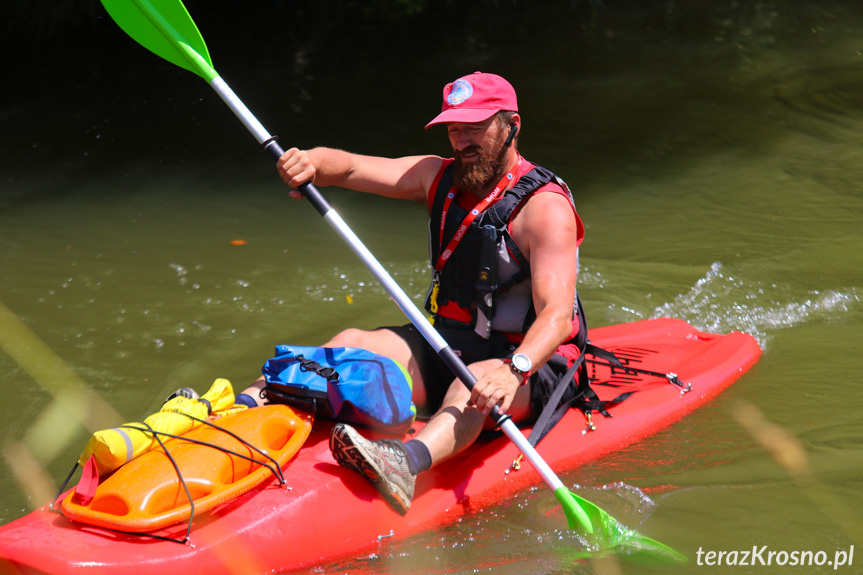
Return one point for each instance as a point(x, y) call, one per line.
point(476, 177)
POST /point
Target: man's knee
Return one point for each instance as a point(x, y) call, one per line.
point(457, 393)
point(350, 337)
point(382, 341)
point(390, 344)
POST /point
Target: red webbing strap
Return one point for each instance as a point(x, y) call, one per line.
point(86, 488)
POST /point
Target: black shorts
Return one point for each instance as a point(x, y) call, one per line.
point(470, 348)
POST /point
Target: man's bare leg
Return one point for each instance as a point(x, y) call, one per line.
point(457, 424)
point(392, 467)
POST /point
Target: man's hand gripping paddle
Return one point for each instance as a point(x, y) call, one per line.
point(165, 28)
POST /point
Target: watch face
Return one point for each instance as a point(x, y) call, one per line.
point(521, 363)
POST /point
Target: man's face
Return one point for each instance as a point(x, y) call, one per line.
point(479, 153)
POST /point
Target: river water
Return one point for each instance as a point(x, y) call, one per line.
point(715, 154)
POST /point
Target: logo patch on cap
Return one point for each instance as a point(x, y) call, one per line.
point(461, 91)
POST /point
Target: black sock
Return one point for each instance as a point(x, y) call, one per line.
point(418, 456)
point(245, 399)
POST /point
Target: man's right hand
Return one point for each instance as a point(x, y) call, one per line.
point(296, 168)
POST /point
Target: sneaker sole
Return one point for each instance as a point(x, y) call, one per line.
point(350, 453)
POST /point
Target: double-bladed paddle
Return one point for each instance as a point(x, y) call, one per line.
point(165, 28)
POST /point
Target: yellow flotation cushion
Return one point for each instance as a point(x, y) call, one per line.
point(115, 447)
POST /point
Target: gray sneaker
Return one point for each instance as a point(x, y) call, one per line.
point(383, 463)
point(186, 392)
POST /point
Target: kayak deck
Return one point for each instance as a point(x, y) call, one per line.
point(330, 512)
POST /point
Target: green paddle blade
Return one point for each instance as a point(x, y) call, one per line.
point(607, 534)
point(580, 513)
point(165, 28)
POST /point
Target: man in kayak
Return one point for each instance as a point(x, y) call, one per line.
point(504, 240)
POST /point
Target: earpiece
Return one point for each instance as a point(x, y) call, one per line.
point(512, 134)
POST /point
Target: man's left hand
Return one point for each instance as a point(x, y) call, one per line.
point(496, 387)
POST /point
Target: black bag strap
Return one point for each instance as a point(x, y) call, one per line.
point(328, 373)
point(552, 412)
point(602, 354)
point(588, 401)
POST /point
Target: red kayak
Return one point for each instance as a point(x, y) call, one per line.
point(331, 512)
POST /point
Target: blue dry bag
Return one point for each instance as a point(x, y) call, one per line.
point(344, 384)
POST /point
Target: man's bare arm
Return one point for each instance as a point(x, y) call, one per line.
point(547, 233)
point(406, 178)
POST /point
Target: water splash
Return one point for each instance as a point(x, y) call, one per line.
point(333, 284)
point(721, 302)
point(182, 272)
point(591, 279)
point(524, 533)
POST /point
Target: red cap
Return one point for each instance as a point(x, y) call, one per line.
point(475, 98)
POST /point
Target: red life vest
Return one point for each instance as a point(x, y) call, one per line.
point(486, 279)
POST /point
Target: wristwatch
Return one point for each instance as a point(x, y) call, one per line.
point(520, 364)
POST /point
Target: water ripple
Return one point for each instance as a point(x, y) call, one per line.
point(721, 302)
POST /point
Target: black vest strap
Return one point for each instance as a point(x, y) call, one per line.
point(500, 213)
point(584, 398)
